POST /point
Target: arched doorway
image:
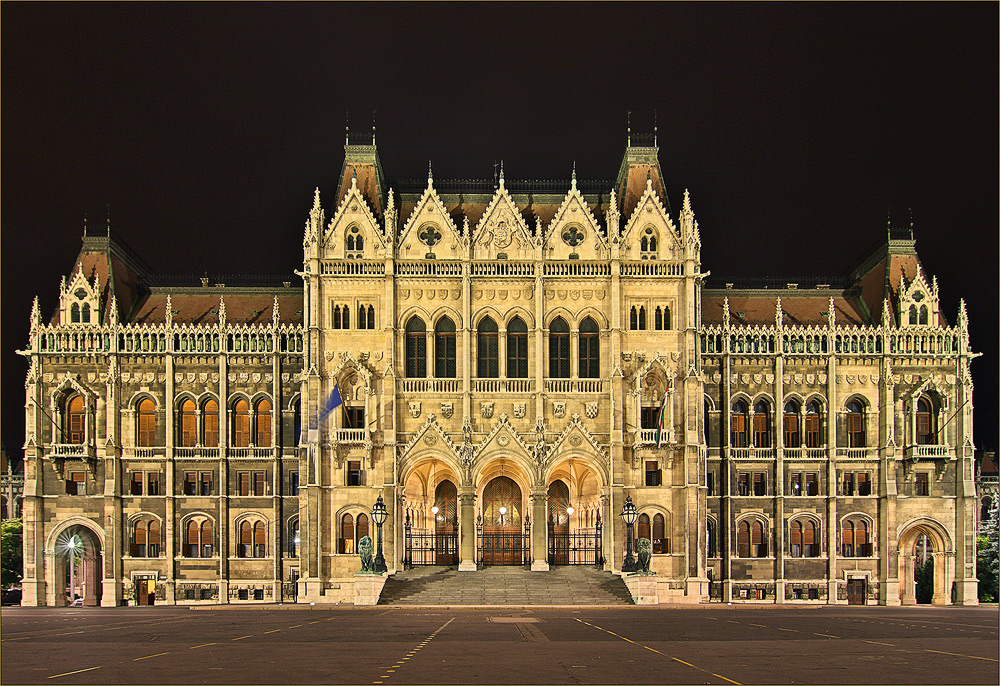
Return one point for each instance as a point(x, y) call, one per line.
point(445, 511)
point(558, 502)
point(924, 571)
point(502, 541)
point(78, 569)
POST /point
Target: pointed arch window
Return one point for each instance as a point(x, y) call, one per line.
point(738, 434)
point(559, 349)
point(75, 424)
point(643, 529)
point(761, 425)
point(416, 348)
point(661, 320)
point(642, 318)
point(590, 349)
point(444, 349)
point(210, 424)
point(487, 349)
point(913, 314)
point(923, 314)
point(804, 539)
point(189, 424)
point(758, 540)
point(812, 425)
point(633, 319)
point(85, 313)
point(517, 349)
point(925, 428)
point(145, 539)
point(241, 424)
point(660, 542)
point(855, 419)
point(354, 244)
point(262, 415)
point(854, 539)
point(647, 245)
point(146, 434)
point(792, 437)
point(74, 313)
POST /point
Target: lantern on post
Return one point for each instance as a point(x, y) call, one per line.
point(378, 516)
point(629, 515)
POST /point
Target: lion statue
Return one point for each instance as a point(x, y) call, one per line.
point(365, 551)
point(643, 547)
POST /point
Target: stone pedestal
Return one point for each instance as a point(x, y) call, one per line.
point(368, 588)
point(643, 588)
point(110, 593)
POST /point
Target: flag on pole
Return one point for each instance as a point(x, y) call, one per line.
point(332, 403)
point(661, 432)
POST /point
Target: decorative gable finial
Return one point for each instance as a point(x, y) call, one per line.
point(168, 316)
point(573, 178)
point(649, 179)
point(222, 311)
point(430, 174)
point(62, 285)
point(686, 208)
point(274, 311)
point(832, 314)
point(934, 287)
point(963, 315)
point(501, 180)
point(778, 316)
point(373, 127)
point(316, 203)
point(36, 314)
point(113, 311)
point(886, 313)
point(725, 311)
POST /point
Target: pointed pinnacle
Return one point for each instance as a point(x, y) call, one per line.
point(430, 172)
point(316, 204)
point(687, 201)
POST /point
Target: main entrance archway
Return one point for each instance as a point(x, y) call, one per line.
point(502, 539)
point(925, 563)
point(78, 567)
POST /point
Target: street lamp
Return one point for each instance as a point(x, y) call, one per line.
point(379, 514)
point(629, 515)
point(72, 545)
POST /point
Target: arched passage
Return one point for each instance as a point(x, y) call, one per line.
point(925, 551)
point(78, 566)
point(431, 521)
point(501, 523)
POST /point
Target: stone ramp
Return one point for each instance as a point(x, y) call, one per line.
point(505, 586)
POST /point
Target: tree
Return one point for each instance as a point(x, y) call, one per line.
point(988, 558)
point(11, 563)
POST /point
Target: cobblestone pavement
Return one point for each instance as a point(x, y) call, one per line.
point(500, 645)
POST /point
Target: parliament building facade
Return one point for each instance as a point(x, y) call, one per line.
point(514, 360)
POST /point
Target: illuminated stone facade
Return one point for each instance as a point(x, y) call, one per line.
point(505, 353)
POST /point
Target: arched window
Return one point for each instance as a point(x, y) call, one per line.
point(662, 318)
point(590, 349)
point(793, 439)
point(812, 425)
point(925, 429)
point(416, 348)
point(361, 527)
point(345, 321)
point(259, 540)
point(660, 542)
point(355, 243)
point(758, 541)
point(705, 424)
point(371, 317)
point(210, 424)
point(74, 313)
point(517, 349)
point(337, 322)
point(743, 539)
point(241, 424)
point(855, 425)
point(245, 547)
point(293, 537)
point(207, 541)
point(642, 528)
point(146, 434)
point(642, 318)
point(854, 539)
point(647, 245)
point(347, 534)
point(923, 314)
point(189, 424)
point(75, 424)
point(138, 547)
point(913, 314)
point(559, 349)
point(198, 540)
point(761, 425)
point(153, 539)
point(488, 349)
point(803, 539)
point(444, 349)
point(633, 318)
point(738, 434)
point(85, 313)
point(263, 421)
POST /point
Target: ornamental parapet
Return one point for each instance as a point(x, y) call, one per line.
point(925, 452)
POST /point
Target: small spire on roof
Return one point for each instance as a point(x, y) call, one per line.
point(274, 311)
point(573, 180)
point(347, 127)
point(501, 173)
point(316, 204)
point(36, 313)
point(168, 316)
point(85, 221)
point(778, 314)
point(373, 126)
point(886, 313)
point(725, 311)
point(654, 127)
point(687, 202)
point(430, 173)
point(963, 314)
point(222, 311)
point(649, 179)
point(629, 130)
point(832, 316)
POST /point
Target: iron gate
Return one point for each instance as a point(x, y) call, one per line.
point(421, 547)
point(581, 547)
point(503, 545)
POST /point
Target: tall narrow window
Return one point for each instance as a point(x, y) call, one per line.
point(663, 318)
point(559, 349)
point(712, 538)
point(792, 437)
point(487, 349)
point(925, 423)
point(74, 313)
point(642, 528)
point(138, 539)
point(210, 424)
point(263, 417)
point(913, 314)
point(444, 349)
point(346, 317)
point(241, 424)
point(153, 539)
point(761, 425)
point(146, 437)
point(337, 323)
point(189, 424)
point(193, 547)
point(812, 425)
point(855, 425)
point(416, 348)
point(633, 318)
point(923, 314)
point(743, 540)
point(795, 539)
point(371, 316)
point(245, 548)
point(207, 541)
point(347, 534)
point(259, 540)
point(660, 543)
point(75, 420)
point(758, 542)
point(642, 318)
point(590, 349)
point(517, 349)
point(862, 547)
point(810, 540)
point(738, 437)
point(85, 314)
point(362, 527)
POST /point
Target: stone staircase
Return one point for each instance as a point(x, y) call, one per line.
point(505, 586)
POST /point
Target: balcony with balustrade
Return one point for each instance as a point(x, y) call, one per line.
point(928, 452)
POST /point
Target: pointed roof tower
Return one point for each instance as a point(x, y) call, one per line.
point(641, 162)
point(361, 162)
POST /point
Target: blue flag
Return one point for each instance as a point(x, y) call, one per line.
point(333, 402)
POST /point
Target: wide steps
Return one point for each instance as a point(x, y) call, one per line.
point(505, 586)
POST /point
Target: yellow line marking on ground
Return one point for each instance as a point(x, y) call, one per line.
point(676, 659)
point(731, 621)
point(76, 672)
point(316, 622)
point(879, 643)
point(827, 635)
point(760, 625)
point(148, 656)
point(296, 626)
point(974, 657)
point(794, 630)
point(240, 638)
point(272, 631)
point(202, 646)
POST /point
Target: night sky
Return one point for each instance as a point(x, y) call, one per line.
point(795, 126)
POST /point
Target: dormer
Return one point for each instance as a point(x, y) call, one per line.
point(918, 302)
point(79, 300)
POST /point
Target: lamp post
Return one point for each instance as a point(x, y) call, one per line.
point(378, 515)
point(629, 515)
point(71, 547)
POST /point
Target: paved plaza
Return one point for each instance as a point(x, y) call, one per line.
point(500, 645)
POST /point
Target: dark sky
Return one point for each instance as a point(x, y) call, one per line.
point(205, 128)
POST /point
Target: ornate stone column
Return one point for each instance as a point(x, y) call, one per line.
point(539, 552)
point(467, 531)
